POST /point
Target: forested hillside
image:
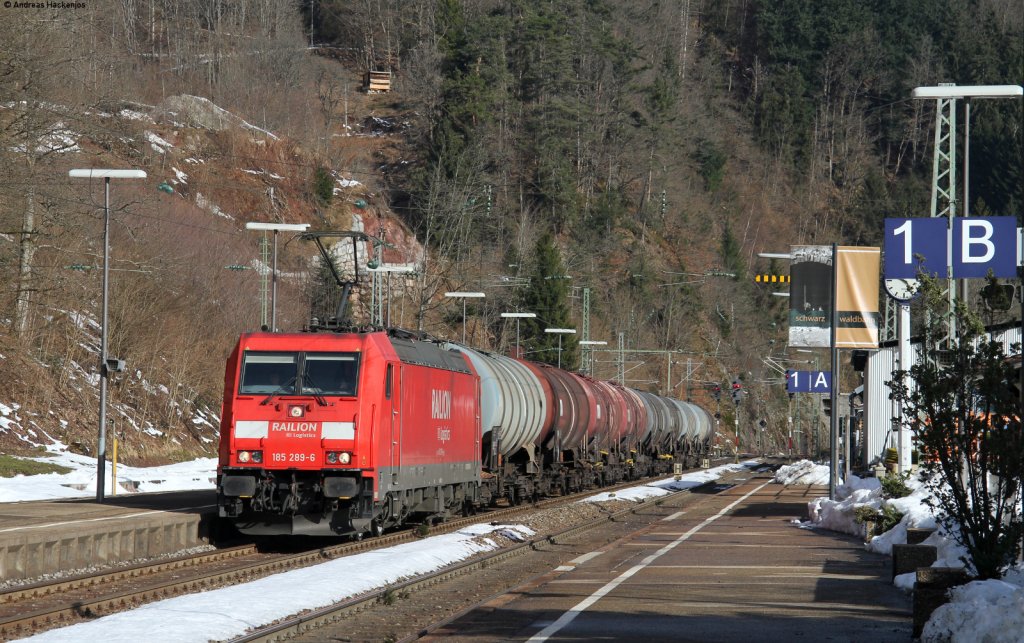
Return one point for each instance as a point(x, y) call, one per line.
point(636, 155)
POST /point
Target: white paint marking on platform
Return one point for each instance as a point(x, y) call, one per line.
point(121, 517)
point(585, 557)
point(582, 606)
point(673, 516)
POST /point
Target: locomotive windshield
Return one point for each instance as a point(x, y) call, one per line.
point(269, 373)
point(279, 373)
point(330, 373)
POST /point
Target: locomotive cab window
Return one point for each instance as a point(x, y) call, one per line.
point(330, 373)
point(264, 373)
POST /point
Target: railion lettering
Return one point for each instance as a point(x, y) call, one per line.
point(440, 404)
point(295, 427)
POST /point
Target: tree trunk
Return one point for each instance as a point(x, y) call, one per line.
point(27, 250)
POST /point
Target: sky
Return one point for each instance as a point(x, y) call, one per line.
point(992, 609)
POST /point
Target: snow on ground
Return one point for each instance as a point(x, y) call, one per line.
point(57, 138)
point(158, 144)
point(991, 611)
point(802, 472)
point(209, 206)
point(81, 481)
point(667, 486)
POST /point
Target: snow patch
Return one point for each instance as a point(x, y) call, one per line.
point(209, 206)
point(158, 144)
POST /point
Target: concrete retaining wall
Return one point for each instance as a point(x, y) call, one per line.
point(36, 551)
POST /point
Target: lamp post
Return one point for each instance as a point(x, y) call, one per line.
point(590, 342)
point(106, 175)
point(275, 228)
point(464, 296)
point(517, 317)
point(560, 332)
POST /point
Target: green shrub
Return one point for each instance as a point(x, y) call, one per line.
point(895, 486)
point(865, 513)
point(891, 516)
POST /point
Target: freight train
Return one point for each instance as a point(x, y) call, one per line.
point(349, 433)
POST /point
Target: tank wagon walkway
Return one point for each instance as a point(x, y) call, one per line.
point(733, 567)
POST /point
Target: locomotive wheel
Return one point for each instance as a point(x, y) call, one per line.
point(376, 528)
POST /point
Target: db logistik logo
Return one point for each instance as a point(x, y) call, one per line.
point(51, 4)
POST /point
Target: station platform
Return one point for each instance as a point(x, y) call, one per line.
point(46, 537)
point(734, 566)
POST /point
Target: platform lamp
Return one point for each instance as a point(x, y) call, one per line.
point(464, 296)
point(560, 332)
point(106, 365)
point(591, 342)
point(517, 317)
point(275, 228)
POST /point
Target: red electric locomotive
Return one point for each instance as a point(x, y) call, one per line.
point(346, 433)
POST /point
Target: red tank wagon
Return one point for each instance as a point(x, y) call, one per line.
point(345, 433)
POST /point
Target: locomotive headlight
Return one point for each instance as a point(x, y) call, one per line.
point(257, 457)
point(243, 457)
point(339, 457)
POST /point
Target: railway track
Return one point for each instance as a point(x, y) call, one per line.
point(38, 607)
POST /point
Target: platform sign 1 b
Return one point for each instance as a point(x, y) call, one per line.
point(808, 382)
point(981, 244)
point(977, 244)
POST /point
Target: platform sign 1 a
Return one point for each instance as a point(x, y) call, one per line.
point(808, 382)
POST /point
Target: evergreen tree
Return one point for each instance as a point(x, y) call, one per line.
point(732, 252)
point(548, 297)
